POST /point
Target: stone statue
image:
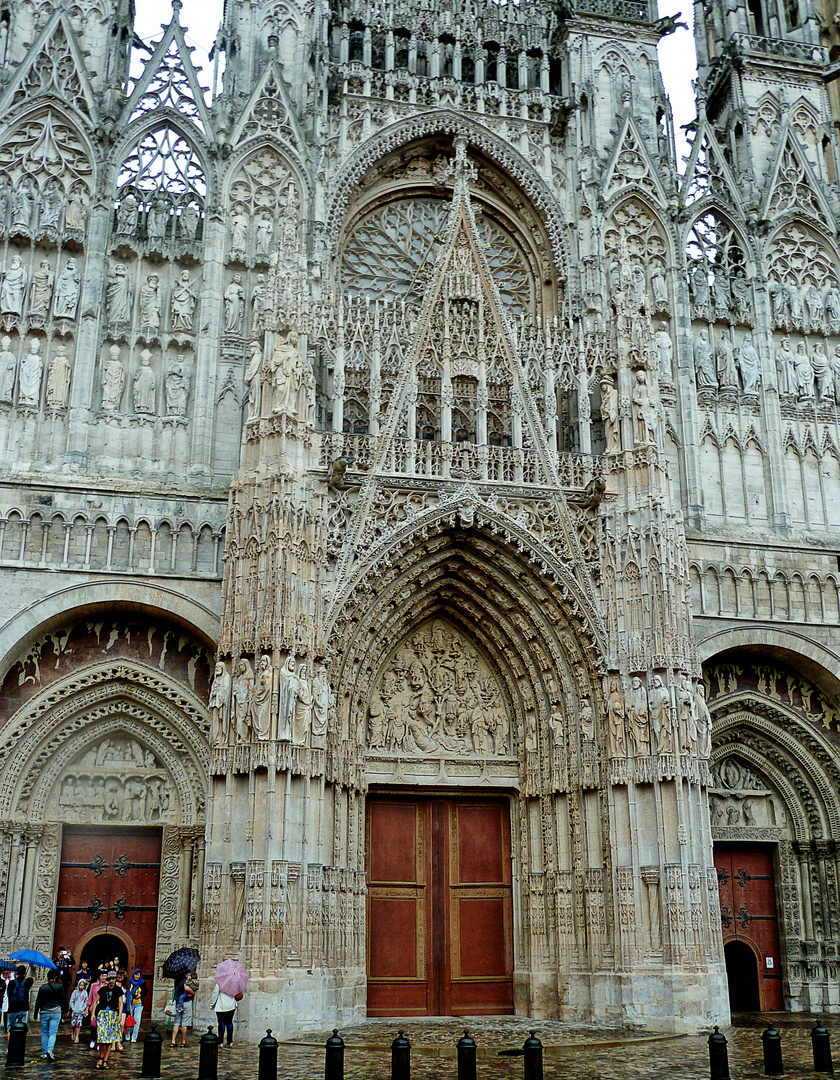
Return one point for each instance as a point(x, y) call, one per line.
point(659, 702)
point(786, 368)
point(741, 295)
point(8, 370)
point(119, 296)
point(686, 715)
point(150, 303)
point(322, 700)
point(259, 295)
point(75, 216)
point(804, 372)
point(242, 691)
point(58, 379)
point(144, 385)
point(190, 221)
point(51, 207)
point(795, 304)
point(637, 717)
point(822, 372)
point(727, 372)
point(234, 305)
point(127, 215)
point(720, 287)
point(704, 362)
point(700, 285)
point(286, 699)
point(177, 389)
point(586, 719)
point(832, 307)
point(704, 723)
point(219, 703)
point(252, 378)
point(261, 711)
point(779, 303)
point(5, 201)
point(113, 380)
point(22, 205)
point(239, 222)
point(13, 289)
point(302, 713)
point(158, 218)
point(659, 285)
point(183, 303)
point(31, 372)
point(265, 232)
point(814, 307)
point(67, 291)
point(615, 720)
point(749, 365)
point(609, 411)
point(286, 374)
point(639, 284)
point(41, 290)
point(665, 351)
point(646, 411)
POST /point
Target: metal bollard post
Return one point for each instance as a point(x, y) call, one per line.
point(208, 1056)
point(152, 1046)
point(821, 1042)
point(16, 1052)
point(334, 1057)
point(466, 1057)
point(718, 1056)
point(532, 1049)
point(401, 1058)
point(267, 1068)
point(772, 1041)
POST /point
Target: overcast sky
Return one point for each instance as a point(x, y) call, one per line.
point(202, 18)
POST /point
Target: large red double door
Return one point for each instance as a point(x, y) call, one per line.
point(439, 939)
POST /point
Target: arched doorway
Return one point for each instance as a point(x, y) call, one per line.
point(102, 947)
point(742, 977)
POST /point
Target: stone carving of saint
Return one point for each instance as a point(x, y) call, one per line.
point(832, 307)
point(58, 379)
point(822, 372)
point(150, 303)
point(786, 367)
point(144, 385)
point(158, 218)
point(22, 205)
point(261, 711)
point(234, 305)
point(5, 201)
point(685, 712)
point(704, 362)
point(639, 284)
point(720, 287)
point(659, 285)
point(31, 371)
point(286, 374)
point(258, 299)
point(804, 372)
point(727, 372)
point(119, 296)
point(287, 690)
point(177, 388)
point(14, 287)
point(67, 291)
point(795, 304)
point(741, 295)
point(252, 378)
point(659, 702)
point(302, 713)
point(51, 207)
point(239, 222)
point(700, 286)
point(190, 220)
point(615, 720)
point(814, 306)
point(113, 380)
point(8, 370)
point(183, 303)
point(704, 723)
point(779, 303)
point(127, 215)
point(586, 719)
point(637, 717)
point(609, 411)
point(265, 232)
point(41, 290)
point(242, 690)
point(219, 703)
point(646, 412)
point(665, 350)
point(322, 698)
point(75, 216)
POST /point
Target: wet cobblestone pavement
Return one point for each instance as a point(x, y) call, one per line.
point(572, 1052)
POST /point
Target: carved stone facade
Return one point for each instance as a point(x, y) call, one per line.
point(534, 440)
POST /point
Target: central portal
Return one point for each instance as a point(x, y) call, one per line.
point(439, 906)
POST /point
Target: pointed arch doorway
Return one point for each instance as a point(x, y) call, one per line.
point(439, 919)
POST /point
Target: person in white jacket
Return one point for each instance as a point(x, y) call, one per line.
point(224, 1006)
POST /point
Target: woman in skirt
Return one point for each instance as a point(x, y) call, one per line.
point(108, 1010)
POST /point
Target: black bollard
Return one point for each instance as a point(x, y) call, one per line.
point(718, 1056)
point(16, 1052)
point(772, 1052)
point(208, 1056)
point(532, 1048)
point(152, 1046)
point(334, 1057)
point(267, 1069)
point(466, 1057)
point(401, 1058)
point(821, 1041)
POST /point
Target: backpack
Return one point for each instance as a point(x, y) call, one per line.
point(18, 997)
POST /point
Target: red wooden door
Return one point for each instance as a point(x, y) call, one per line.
point(439, 907)
point(108, 895)
point(748, 914)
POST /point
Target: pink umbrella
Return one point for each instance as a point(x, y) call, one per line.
point(231, 977)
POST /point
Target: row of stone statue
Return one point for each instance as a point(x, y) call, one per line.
point(257, 229)
point(726, 299)
point(807, 376)
point(286, 704)
point(722, 366)
point(806, 308)
point(24, 210)
point(652, 295)
point(157, 218)
point(285, 383)
point(645, 408)
point(28, 375)
point(48, 293)
point(660, 720)
point(183, 301)
point(176, 385)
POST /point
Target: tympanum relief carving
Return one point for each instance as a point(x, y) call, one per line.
point(116, 780)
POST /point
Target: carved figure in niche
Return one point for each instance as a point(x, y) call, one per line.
point(258, 298)
point(286, 693)
point(286, 374)
point(75, 216)
point(832, 307)
point(261, 710)
point(637, 717)
point(119, 296)
point(239, 222)
point(190, 221)
point(587, 720)
point(158, 218)
point(665, 350)
point(721, 292)
point(615, 720)
point(557, 723)
point(31, 372)
point(234, 305)
point(58, 379)
point(8, 370)
point(51, 207)
point(704, 362)
point(5, 201)
point(786, 368)
point(814, 307)
point(700, 286)
point(22, 205)
point(779, 303)
point(804, 372)
point(750, 365)
point(609, 411)
point(183, 302)
point(252, 380)
point(822, 372)
point(219, 704)
point(795, 304)
point(377, 720)
point(113, 380)
point(144, 385)
point(150, 303)
point(716, 810)
point(302, 712)
point(177, 390)
point(322, 700)
point(134, 801)
point(835, 367)
point(725, 362)
point(639, 284)
point(67, 291)
point(659, 702)
point(733, 815)
point(704, 723)
point(14, 287)
point(41, 290)
point(685, 711)
point(741, 301)
point(242, 691)
point(265, 232)
point(127, 215)
point(660, 287)
point(646, 412)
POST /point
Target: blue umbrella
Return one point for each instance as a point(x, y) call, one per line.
point(32, 956)
point(7, 965)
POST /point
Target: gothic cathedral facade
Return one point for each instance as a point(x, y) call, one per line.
point(419, 506)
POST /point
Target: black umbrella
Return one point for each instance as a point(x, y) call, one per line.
point(180, 962)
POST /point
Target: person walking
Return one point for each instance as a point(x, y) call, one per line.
point(50, 1003)
point(78, 1007)
point(18, 992)
point(84, 972)
point(108, 1008)
point(135, 992)
point(65, 963)
point(224, 1006)
point(93, 997)
point(184, 1008)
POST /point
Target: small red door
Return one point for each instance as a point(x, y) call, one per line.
point(439, 907)
point(748, 914)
